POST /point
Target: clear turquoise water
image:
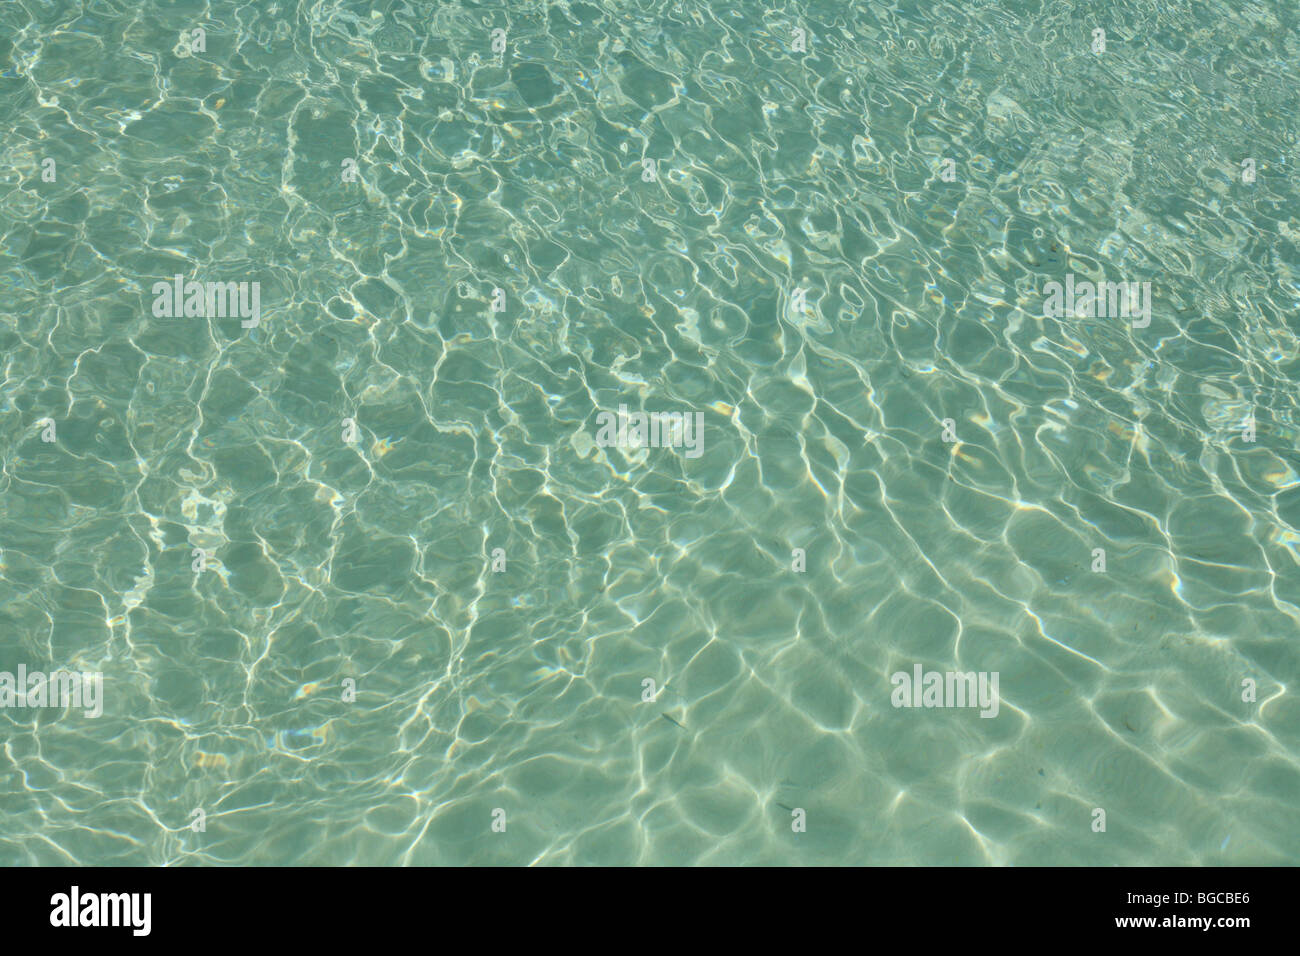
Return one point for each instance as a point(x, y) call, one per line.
point(777, 170)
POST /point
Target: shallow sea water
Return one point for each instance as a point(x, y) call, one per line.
point(798, 269)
